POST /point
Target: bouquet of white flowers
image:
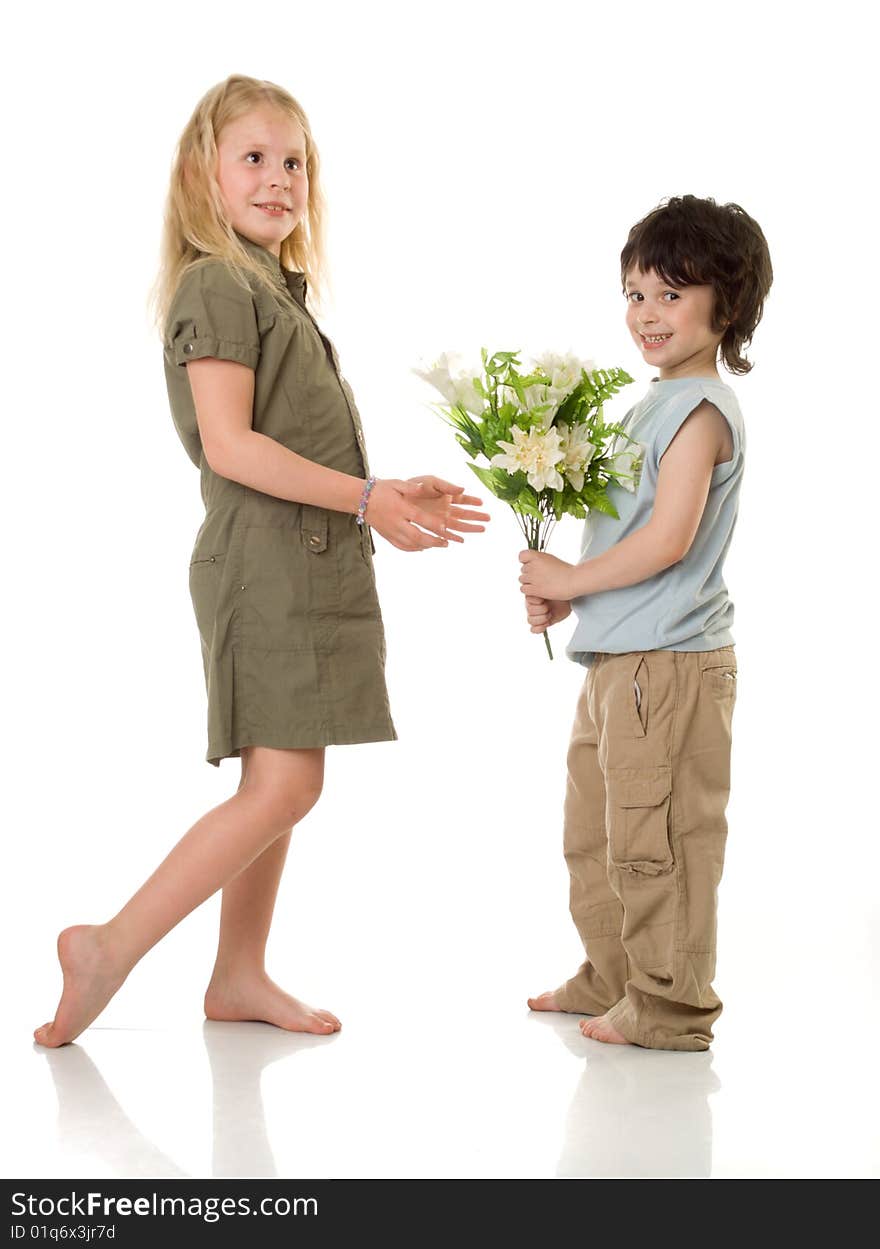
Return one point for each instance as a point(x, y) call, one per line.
point(549, 451)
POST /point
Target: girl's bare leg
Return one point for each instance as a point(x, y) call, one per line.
point(240, 987)
point(96, 959)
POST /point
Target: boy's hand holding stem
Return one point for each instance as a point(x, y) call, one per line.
point(549, 584)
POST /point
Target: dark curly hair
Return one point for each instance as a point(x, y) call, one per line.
point(693, 242)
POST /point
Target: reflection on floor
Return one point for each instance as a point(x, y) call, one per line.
point(465, 1092)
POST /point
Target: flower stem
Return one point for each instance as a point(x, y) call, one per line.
point(533, 537)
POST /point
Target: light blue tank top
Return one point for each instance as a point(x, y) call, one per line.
point(686, 607)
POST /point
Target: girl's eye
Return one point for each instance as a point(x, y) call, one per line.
point(674, 294)
point(289, 158)
point(633, 295)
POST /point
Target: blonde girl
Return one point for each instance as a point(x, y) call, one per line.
point(281, 572)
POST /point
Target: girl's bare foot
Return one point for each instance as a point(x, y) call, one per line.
point(545, 1001)
point(601, 1030)
point(256, 996)
point(92, 974)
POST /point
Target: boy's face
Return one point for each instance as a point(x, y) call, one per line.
point(672, 325)
point(262, 159)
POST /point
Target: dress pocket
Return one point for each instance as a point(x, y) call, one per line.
point(288, 599)
point(639, 801)
point(205, 576)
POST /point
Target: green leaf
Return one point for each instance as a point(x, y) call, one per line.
point(485, 475)
point(602, 503)
point(525, 503)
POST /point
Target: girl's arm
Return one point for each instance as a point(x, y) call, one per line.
point(223, 394)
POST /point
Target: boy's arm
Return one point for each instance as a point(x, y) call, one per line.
point(683, 482)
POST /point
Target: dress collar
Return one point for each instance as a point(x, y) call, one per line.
point(292, 279)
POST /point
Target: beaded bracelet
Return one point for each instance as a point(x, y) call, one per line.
point(362, 506)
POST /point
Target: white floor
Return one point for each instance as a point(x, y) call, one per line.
point(424, 899)
point(412, 1087)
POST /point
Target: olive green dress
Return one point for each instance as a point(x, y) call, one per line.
point(284, 593)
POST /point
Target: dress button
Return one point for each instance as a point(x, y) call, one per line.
point(187, 347)
point(315, 540)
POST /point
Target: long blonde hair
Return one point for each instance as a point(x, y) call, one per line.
point(197, 226)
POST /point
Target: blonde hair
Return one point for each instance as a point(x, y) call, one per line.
point(196, 225)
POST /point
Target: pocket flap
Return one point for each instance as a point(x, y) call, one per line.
point(314, 528)
point(639, 787)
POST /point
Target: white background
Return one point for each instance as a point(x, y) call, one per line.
point(483, 163)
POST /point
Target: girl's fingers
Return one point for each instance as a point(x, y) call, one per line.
point(423, 540)
point(416, 484)
point(445, 487)
point(436, 524)
point(463, 528)
point(464, 514)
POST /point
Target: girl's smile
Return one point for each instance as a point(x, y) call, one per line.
point(262, 176)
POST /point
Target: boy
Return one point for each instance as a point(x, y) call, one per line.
point(649, 760)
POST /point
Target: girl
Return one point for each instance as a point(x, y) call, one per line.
point(649, 761)
point(281, 575)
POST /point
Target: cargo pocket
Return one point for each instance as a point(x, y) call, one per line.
point(639, 802)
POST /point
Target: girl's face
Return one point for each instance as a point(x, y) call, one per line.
point(262, 160)
point(672, 325)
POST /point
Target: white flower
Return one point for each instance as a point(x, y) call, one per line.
point(532, 397)
point(577, 451)
point(564, 372)
point(456, 387)
point(628, 462)
point(536, 454)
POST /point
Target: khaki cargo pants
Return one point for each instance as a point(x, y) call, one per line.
point(645, 831)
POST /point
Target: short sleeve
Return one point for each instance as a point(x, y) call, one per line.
point(212, 315)
point(674, 420)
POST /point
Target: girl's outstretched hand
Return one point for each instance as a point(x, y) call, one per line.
point(544, 612)
point(396, 512)
point(444, 501)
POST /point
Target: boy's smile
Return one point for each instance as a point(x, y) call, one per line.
point(672, 325)
point(262, 176)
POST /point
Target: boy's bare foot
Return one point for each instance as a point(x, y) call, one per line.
point(599, 1029)
point(91, 976)
point(545, 1001)
point(258, 997)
